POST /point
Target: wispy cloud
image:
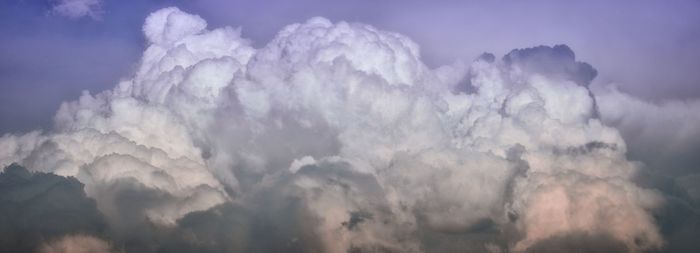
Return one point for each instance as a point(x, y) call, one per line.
point(78, 8)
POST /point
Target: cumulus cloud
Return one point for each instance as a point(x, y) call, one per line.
point(78, 8)
point(336, 137)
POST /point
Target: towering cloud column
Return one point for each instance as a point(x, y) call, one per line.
point(371, 149)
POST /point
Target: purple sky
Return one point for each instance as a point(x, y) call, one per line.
point(649, 48)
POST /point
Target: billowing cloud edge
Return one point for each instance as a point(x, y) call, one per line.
point(345, 120)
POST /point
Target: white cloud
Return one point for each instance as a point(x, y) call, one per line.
point(78, 8)
point(392, 145)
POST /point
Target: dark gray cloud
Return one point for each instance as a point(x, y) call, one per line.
point(558, 61)
point(271, 223)
point(679, 221)
point(579, 242)
point(38, 207)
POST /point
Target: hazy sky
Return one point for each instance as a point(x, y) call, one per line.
point(650, 48)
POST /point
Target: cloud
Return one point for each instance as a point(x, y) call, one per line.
point(41, 206)
point(336, 137)
point(558, 61)
point(578, 242)
point(77, 244)
point(661, 134)
point(78, 8)
point(665, 136)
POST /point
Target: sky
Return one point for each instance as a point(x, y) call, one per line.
point(349, 126)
